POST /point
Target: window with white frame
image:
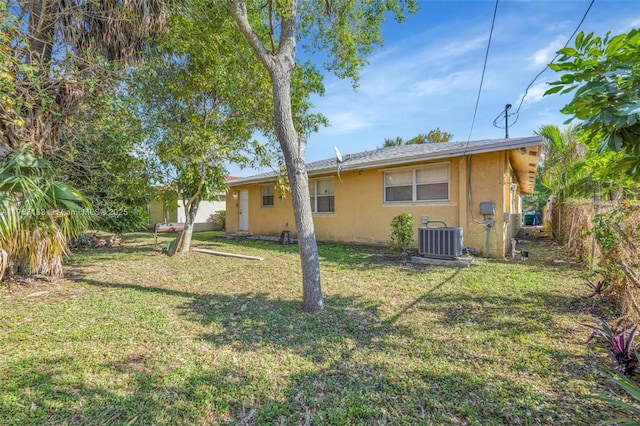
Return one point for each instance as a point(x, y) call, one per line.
point(267, 196)
point(322, 196)
point(429, 183)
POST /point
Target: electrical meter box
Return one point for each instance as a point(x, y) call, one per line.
point(487, 207)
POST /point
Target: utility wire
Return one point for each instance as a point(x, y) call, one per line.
point(517, 113)
point(484, 68)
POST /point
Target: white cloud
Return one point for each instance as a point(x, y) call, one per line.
point(543, 56)
point(631, 24)
point(535, 93)
point(347, 122)
point(420, 69)
point(439, 85)
point(457, 48)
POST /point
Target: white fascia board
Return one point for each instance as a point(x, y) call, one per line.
point(501, 145)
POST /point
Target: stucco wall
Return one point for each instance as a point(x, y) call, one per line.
point(205, 210)
point(361, 215)
point(202, 223)
point(157, 213)
point(486, 179)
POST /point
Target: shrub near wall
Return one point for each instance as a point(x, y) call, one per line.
point(605, 237)
point(617, 232)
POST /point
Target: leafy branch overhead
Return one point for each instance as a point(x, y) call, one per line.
point(57, 55)
point(603, 74)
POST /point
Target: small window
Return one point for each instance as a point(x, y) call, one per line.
point(424, 184)
point(267, 196)
point(432, 183)
point(399, 186)
point(322, 196)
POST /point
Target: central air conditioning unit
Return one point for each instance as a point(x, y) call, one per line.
point(444, 242)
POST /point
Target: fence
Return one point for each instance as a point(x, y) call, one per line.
point(605, 236)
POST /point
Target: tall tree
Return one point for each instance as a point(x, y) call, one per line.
point(105, 159)
point(434, 136)
point(562, 154)
point(56, 54)
point(347, 32)
point(572, 168)
point(604, 76)
point(203, 96)
point(438, 136)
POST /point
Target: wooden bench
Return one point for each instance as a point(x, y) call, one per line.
point(166, 227)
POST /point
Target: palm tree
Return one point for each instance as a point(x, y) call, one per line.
point(389, 142)
point(57, 54)
point(562, 172)
point(39, 215)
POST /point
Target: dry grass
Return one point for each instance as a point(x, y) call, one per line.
point(134, 337)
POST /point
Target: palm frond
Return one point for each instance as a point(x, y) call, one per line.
point(39, 215)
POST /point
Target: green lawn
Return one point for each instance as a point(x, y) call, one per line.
point(135, 337)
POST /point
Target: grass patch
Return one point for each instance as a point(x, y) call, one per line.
point(135, 337)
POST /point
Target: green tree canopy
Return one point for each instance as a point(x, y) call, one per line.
point(55, 55)
point(105, 159)
point(38, 215)
point(434, 136)
point(572, 169)
point(204, 95)
point(604, 76)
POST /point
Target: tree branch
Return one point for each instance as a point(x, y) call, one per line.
point(238, 10)
point(271, 31)
point(307, 411)
point(629, 273)
point(188, 205)
point(287, 45)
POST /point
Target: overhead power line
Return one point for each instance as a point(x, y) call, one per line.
point(484, 68)
point(526, 91)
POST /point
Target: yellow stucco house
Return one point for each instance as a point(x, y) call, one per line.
point(472, 187)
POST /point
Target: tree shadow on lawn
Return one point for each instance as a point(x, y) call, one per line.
point(355, 384)
point(52, 391)
point(349, 379)
point(249, 321)
point(342, 392)
point(346, 389)
point(342, 255)
point(509, 316)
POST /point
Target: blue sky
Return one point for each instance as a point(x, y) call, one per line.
point(428, 72)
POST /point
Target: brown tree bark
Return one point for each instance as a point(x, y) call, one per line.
point(280, 67)
point(190, 210)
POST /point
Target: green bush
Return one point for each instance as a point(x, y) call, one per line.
point(220, 219)
point(402, 232)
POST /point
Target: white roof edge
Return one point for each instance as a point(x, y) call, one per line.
point(458, 152)
point(499, 145)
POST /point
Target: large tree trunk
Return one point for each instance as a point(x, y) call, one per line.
point(190, 210)
point(280, 66)
point(293, 148)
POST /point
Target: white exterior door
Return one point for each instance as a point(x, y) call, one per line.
point(243, 211)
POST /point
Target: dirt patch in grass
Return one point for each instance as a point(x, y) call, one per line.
point(140, 338)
